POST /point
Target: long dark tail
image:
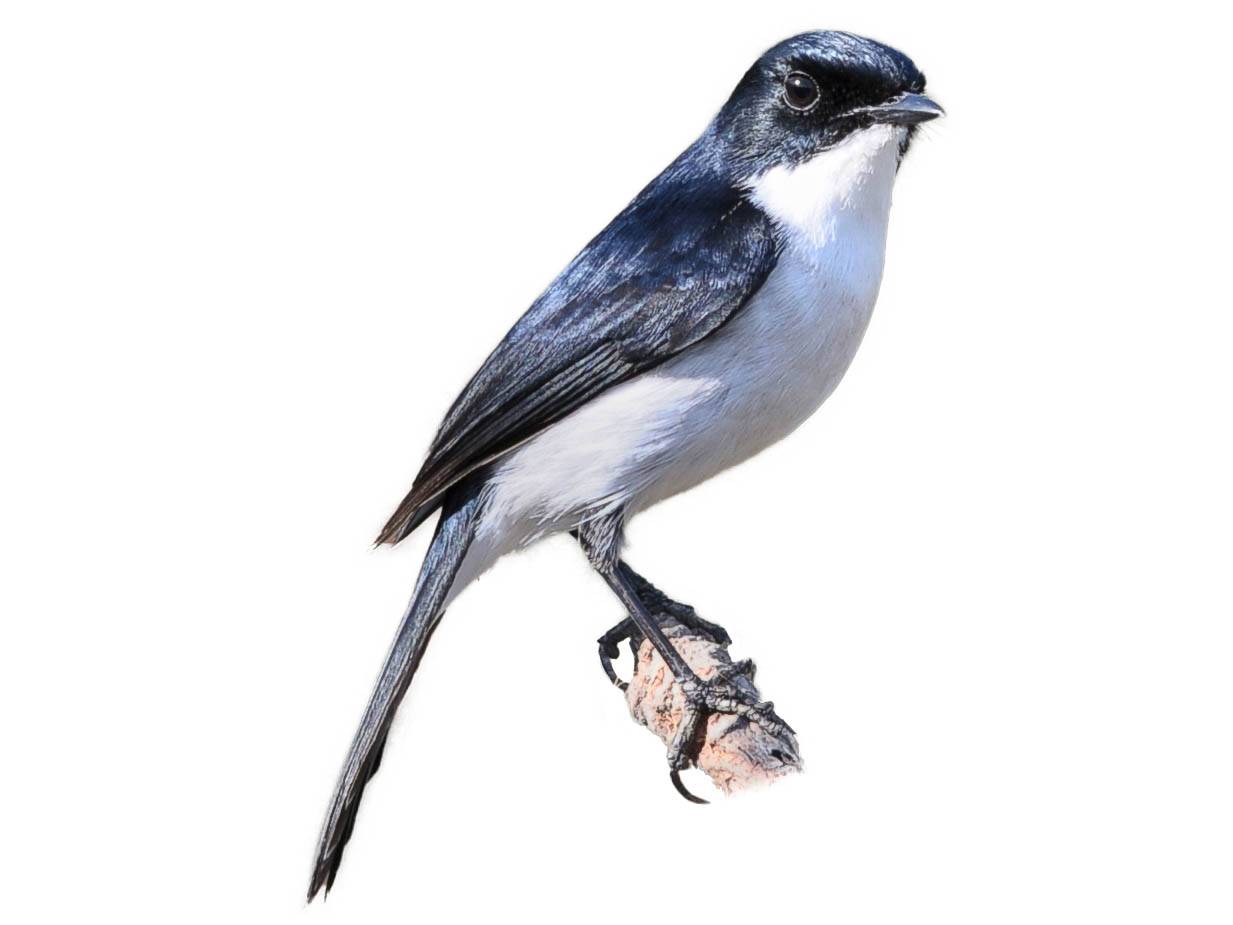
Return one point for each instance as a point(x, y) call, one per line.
point(449, 545)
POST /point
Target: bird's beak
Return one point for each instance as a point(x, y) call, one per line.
point(909, 109)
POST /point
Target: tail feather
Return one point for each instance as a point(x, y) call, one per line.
point(453, 537)
point(413, 511)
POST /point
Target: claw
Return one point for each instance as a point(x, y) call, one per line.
point(681, 788)
point(606, 654)
point(610, 648)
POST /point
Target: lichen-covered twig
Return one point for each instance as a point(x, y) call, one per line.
point(733, 752)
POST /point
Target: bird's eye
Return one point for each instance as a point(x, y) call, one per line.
point(800, 91)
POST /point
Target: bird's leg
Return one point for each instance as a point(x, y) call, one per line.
point(657, 603)
point(601, 541)
point(718, 694)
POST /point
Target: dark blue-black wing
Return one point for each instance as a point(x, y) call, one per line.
point(673, 267)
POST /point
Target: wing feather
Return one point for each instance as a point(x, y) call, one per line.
point(673, 267)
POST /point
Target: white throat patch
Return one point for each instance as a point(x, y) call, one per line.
point(851, 181)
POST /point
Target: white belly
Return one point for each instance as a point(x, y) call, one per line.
point(739, 391)
point(765, 372)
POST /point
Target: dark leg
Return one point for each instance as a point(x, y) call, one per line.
point(657, 603)
point(601, 542)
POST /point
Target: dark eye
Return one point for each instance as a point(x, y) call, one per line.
point(800, 91)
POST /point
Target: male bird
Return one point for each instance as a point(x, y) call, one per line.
point(706, 322)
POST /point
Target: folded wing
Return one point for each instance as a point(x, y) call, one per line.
point(673, 267)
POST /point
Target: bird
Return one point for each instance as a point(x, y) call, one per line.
point(704, 323)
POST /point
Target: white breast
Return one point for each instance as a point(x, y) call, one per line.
point(744, 387)
point(783, 355)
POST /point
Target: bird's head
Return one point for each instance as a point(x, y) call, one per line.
point(811, 92)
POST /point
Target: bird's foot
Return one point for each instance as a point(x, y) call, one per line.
point(719, 693)
point(610, 648)
point(609, 643)
point(659, 603)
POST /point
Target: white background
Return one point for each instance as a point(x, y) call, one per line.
point(251, 251)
